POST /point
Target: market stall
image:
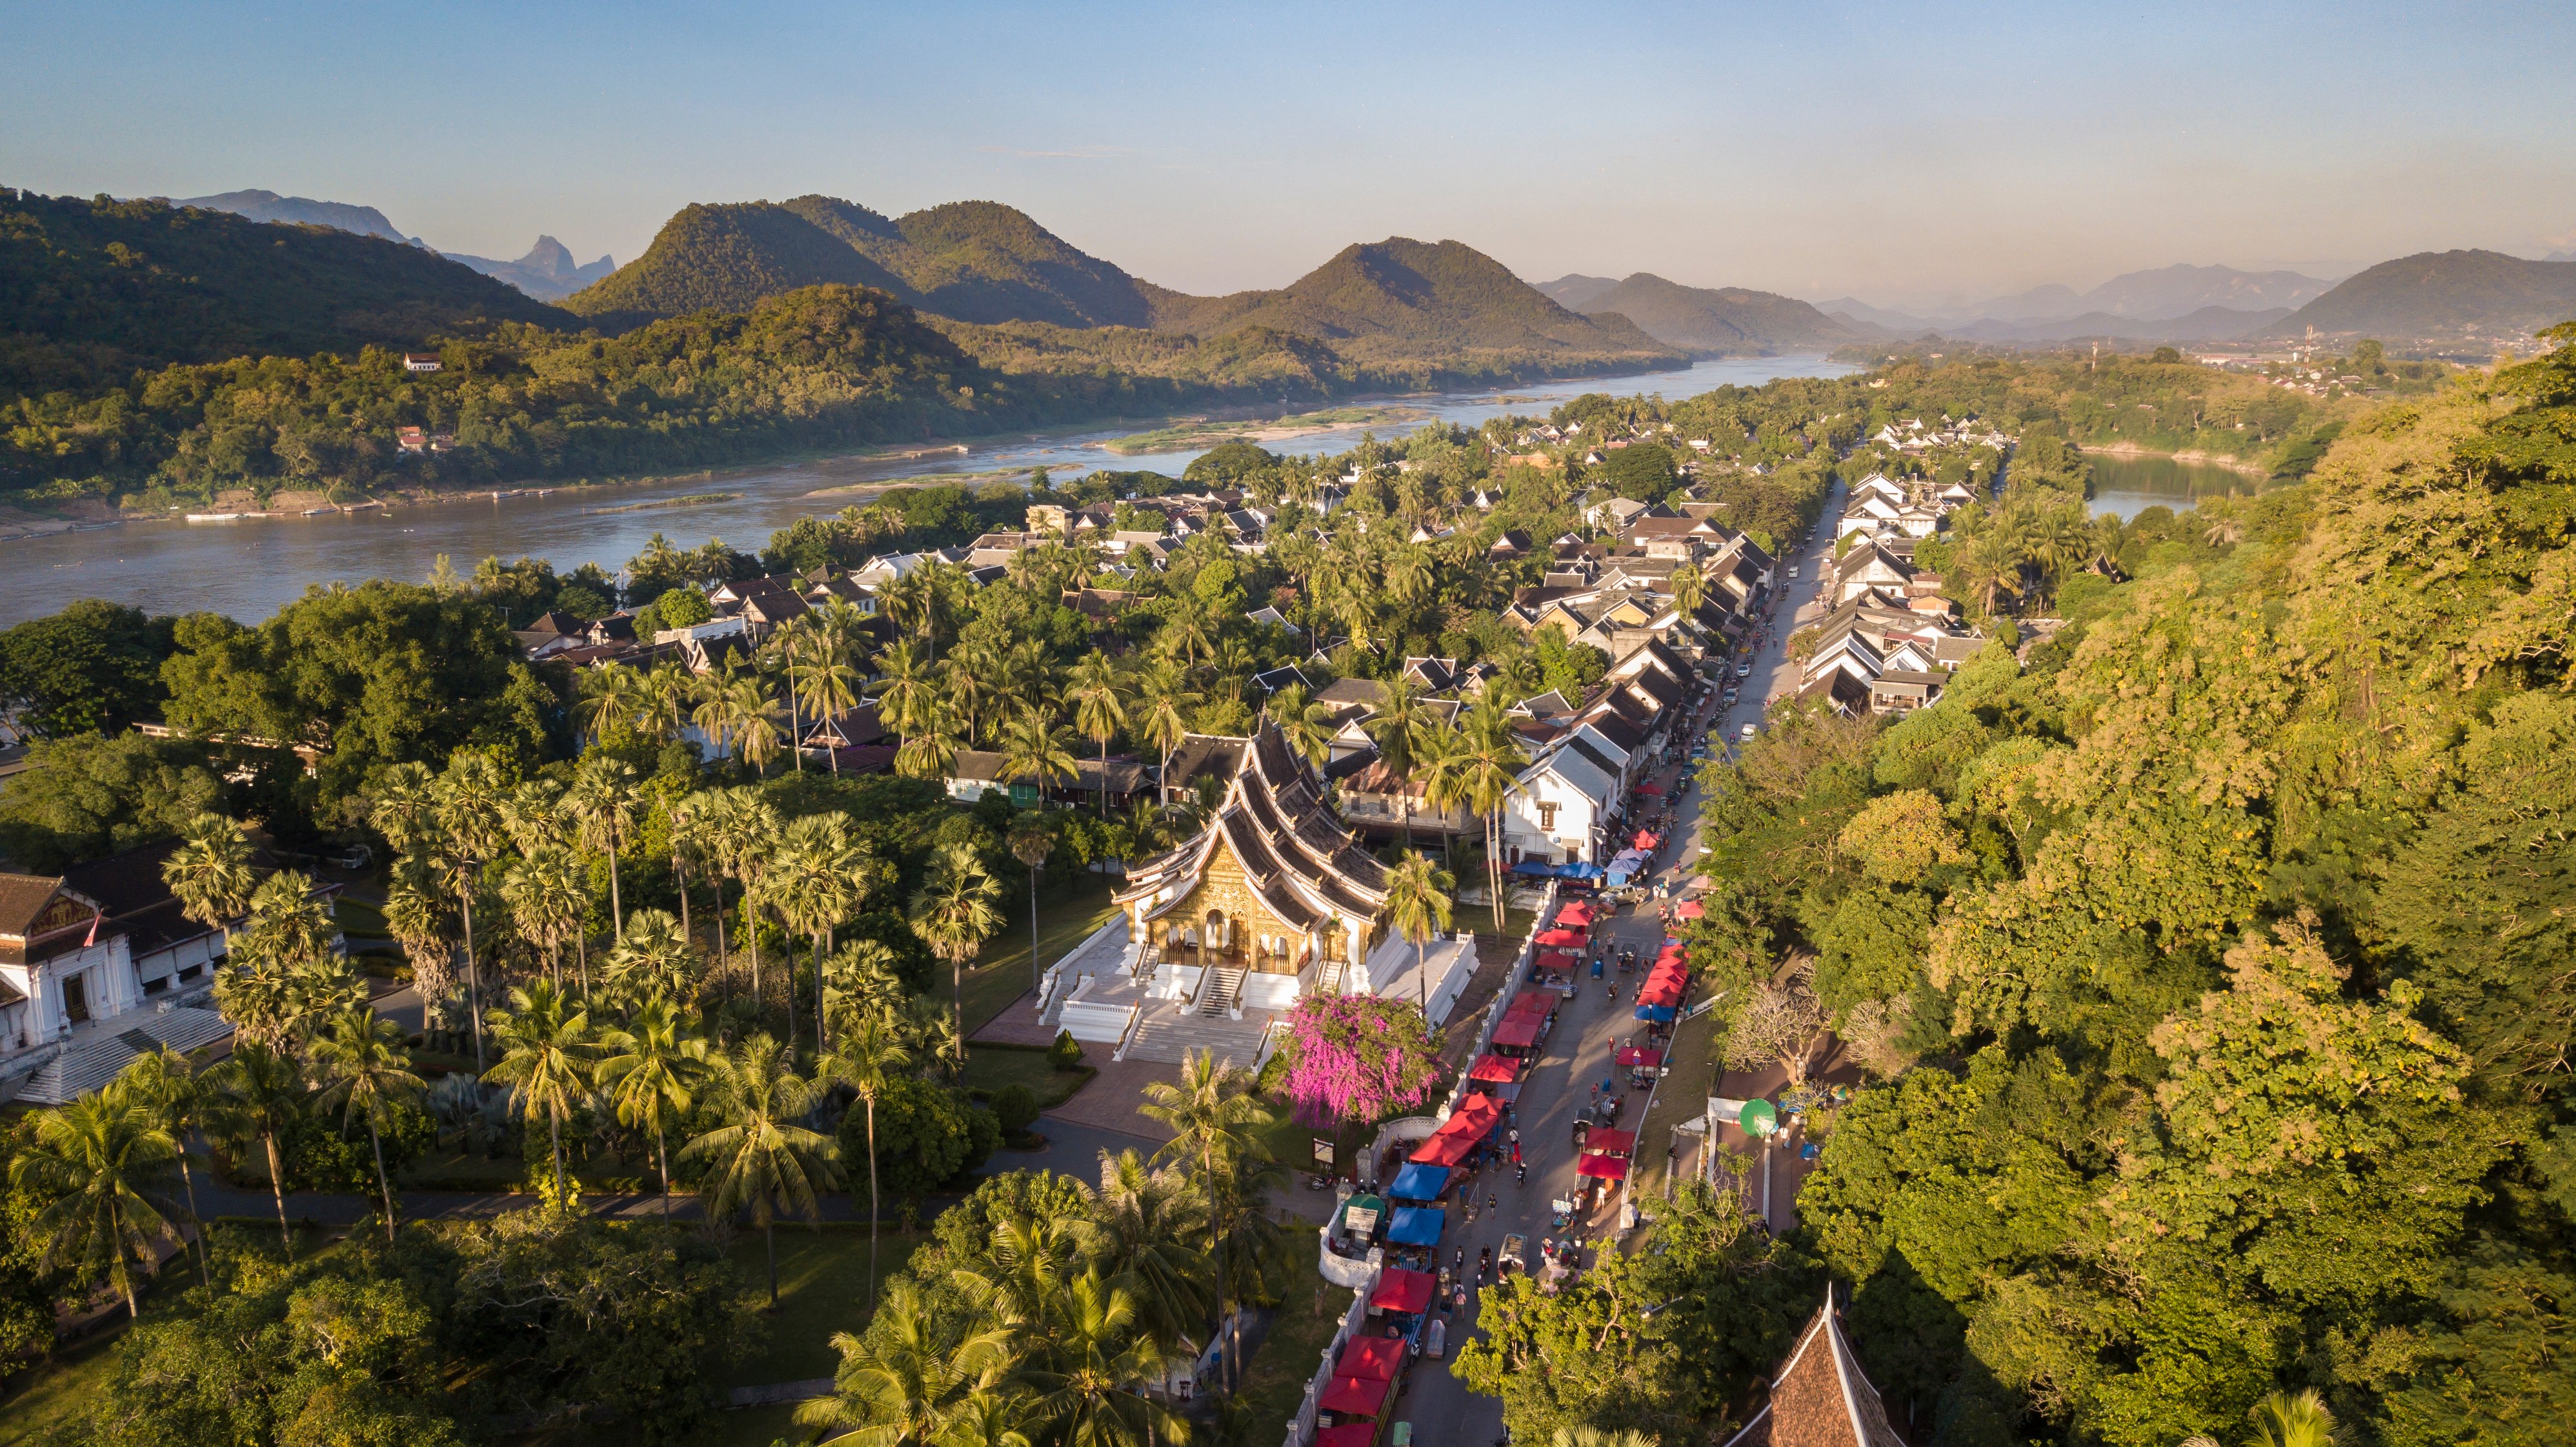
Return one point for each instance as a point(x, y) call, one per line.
point(1419, 1183)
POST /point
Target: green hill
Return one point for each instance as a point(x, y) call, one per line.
point(1402, 299)
point(726, 258)
point(92, 289)
point(2438, 296)
point(1720, 322)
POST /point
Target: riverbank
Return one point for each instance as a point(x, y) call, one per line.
point(2191, 456)
point(1211, 430)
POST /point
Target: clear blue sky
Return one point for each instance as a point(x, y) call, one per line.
point(1905, 153)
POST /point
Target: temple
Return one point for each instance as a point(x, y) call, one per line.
point(1819, 1397)
point(1274, 898)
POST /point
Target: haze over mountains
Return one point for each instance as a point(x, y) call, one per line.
point(547, 272)
point(1708, 322)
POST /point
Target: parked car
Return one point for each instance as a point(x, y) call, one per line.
point(1744, 670)
point(1793, 570)
point(1746, 733)
point(1730, 696)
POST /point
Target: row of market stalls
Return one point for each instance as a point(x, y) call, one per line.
point(1659, 996)
point(1561, 946)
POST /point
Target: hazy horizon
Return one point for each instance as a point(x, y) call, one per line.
point(1915, 161)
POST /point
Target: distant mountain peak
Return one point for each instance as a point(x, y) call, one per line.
point(2435, 296)
point(1731, 321)
point(299, 211)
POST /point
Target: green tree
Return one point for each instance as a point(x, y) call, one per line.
point(954, 914)
point(1216, 1121)
point(651, 1070)
point(95, 1163)
point(362, 1068)
point(547, 1052)
point(760, 1160)
point(872, 1053)
point(1418, 905)
point(256, 1095)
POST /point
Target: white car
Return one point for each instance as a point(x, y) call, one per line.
point(1747, 733)
point(1793, 572)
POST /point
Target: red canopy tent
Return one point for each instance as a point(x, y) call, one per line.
point(1603, 1141)
point(1608, 1168)
point(1673, 952)
point(1666, 994)
point(1562, 939)
point(1650, 790)
point(1377, 1358)
point(1648, 839)
point(1558, 960)
point(1496, 1068)
point(1518, 1031)
point(1639, 1057)
point(1458, 1134)
point(1405, 1291)
point(1537, 1003)
point(1349, 1434)
point(1355, 1396)
point(1666, 980)
point(1443, 1150)
point(1576, 913)
point(1689, 909)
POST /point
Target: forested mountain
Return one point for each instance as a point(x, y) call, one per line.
point(981, 261)
point(1406, 298)
point(299, 211)
point(1717, 322)
point(547, 272)
point(1573, 289)
point(726, 258)
point(2435, 295)
point(2173, 291)
point(90, 290)
point(2207, 324)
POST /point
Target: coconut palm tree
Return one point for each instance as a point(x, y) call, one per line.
point(94, 1163)
point(954, 914)
point(1590, 1436)
point(670, 693)
point(968, 684)
point(1098, 1352)
point(1304, 723)
point(743, 835)
point(820, 677)
point(907, 692)
point(1400, 728)
point(210, 873)
point(760, 1161)
point(987, 1418)
point(651, 1070)
point(1098, 696)
point(930, 753)
point(1163, 699)
point(1418, 904)
point(603, 803)
point(1690, 589)
point(547, 1050)
point(1031, 841)
point(1215, 1120)
point(1035, 746)
point(815, 885)
point(1185, 640)
point(912, 1374)
point(872, 1053)
point(256, 1095)
point(1144, 1224)
point(469, 821)
point(2293, 1420)
point(1479, 772)
point(547, 903)
point(610, 695)
point(160, 1082)
point(361, 1066)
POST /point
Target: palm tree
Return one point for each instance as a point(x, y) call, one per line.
point(743, 836)
point(657, 960)
point(547, 903)
point(969, 683)
point(929, 753)
point(603, 801)
point(1143, 1223)
point(1099, 708)
point(815, 887)
point(1400, 728)
point(256, 1095)
point(1589, 1436)
point(468, 803)
point(2287, 1420)
point(1031, 841)
point(819, 675)
point(361, 1065)
point(1417, 904)
point(1036, 747)
point(611, 695)
point(761, 1161)
point(1162, 697)
point(546, 1053)
point(910, 1376)
point(954, 913)
point(1690, 589)
point(1304, 723)
point(871, 1053)
point(161, 1083)
point(667, 700)
point(1101, 1352)
point(1185, 640)
point(93, 1163)
point(755, 715)
point(906, 696)
point(1479, 771)
point(651, 1072)
point(210, 873)
point(1214, 1119)
point(987, 1418)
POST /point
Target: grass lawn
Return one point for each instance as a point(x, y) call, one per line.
point(1274, 1381)
point(462, 1170)
point(991, 1067)
point(360, 918)
point(1683, 1094)
point(1001, 974)
point(822, 1288)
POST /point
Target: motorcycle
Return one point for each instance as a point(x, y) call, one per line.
point(1521, 1174)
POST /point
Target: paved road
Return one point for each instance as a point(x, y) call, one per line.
point(1800, 602)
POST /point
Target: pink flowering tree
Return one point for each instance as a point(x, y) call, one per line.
point(1357, 1058)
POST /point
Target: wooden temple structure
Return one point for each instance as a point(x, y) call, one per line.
point(1274, 885)
point(1820, 1397)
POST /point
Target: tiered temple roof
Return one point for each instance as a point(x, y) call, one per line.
point(1305, 865)
point(1820, 1398)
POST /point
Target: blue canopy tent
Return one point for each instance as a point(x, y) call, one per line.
point(1658, 1014)
point(1417, 1226)
point(1534, 868)
point(1578, 871)
point(1418, 1182)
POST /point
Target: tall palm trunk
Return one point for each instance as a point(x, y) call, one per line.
point(473, 977)
point(872, 1200)
point(386, 1182)
point(680, 881)
point(769, 1233)
point(277, 1188)
point(790, 991)
point(1037, 975)
point(662, 1153)
point(554, 1145)
point(196, 1222)
point(616, 908)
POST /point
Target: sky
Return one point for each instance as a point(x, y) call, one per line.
point(1915, 155)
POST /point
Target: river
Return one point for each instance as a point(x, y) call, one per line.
point(2123, 487)
point(249, 569)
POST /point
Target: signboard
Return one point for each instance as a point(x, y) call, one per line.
point(1323, 1152)
point(1360, 1220)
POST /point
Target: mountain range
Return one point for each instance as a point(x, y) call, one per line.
point(2441, 295)
point(2171, 303)
point(300, 211)
point(986, 264)
point(547, 272)
point(1704, 321)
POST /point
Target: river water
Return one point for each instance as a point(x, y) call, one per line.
point(249, 569)
point(2123, 487)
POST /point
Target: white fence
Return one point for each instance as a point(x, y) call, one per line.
point(1302, 1431)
